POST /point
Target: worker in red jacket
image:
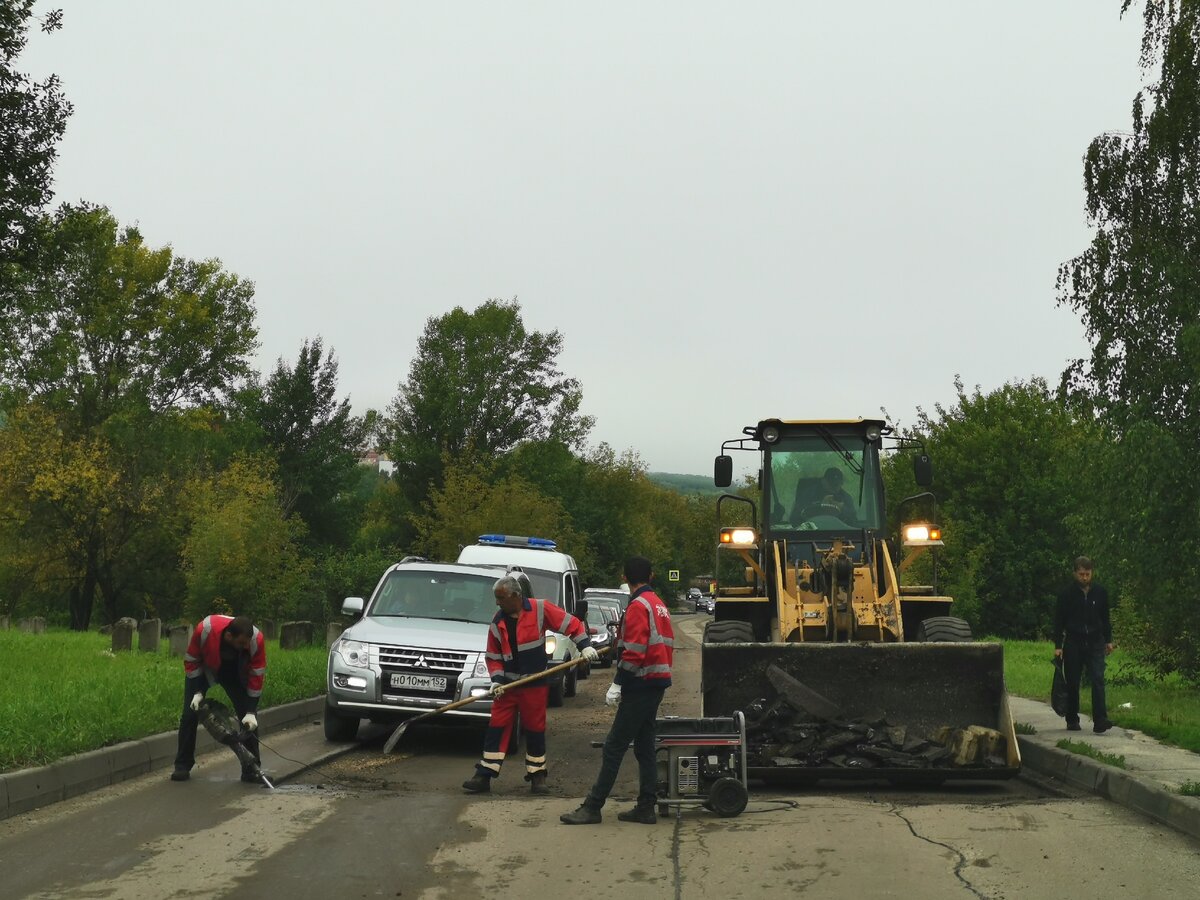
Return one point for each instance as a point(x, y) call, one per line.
point(230, 652)
point(516, 648)
point(646, 643)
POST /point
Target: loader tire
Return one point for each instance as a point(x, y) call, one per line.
point(729, 632)
point(944, 630)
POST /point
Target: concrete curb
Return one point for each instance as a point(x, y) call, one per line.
point(29, 789)
point(1139, 793)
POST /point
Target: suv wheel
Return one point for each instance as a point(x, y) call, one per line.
point(571, 681)
point(555, 698)
point(339, 728)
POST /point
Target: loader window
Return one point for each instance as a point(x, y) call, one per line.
point(825, 482)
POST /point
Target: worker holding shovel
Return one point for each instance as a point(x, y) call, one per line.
point(516, 649)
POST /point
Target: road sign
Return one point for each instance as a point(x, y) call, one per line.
point(673, 575)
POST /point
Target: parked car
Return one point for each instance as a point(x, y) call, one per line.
point(554, 576)
point(620, 595)
point(418, 643)
point(602, 626)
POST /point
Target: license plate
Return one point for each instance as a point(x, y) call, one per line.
point(418, 682)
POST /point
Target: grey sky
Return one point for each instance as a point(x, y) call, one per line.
point(731, 210)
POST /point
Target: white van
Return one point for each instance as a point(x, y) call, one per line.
point(554, 576)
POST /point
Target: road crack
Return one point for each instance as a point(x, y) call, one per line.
point(962, 862)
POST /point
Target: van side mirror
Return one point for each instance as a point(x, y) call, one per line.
point(923, 470)
point(581, 607)
point(723, 471)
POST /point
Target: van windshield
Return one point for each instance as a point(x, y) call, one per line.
point(436, 595)
point(546, 585)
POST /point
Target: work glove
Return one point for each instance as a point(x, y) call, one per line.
point(590, 654)
point(250, 722)
point(495, 690)
point(197, 699)
point(613, 697)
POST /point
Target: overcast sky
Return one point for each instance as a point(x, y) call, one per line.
point(732, 211)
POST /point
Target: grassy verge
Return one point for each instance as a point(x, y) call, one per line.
point(64, 692)
point(1166, 709)
point(1109, 759)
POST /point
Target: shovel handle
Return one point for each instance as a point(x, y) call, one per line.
point(465, 701)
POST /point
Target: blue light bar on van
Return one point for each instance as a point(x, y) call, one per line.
point(515, 540)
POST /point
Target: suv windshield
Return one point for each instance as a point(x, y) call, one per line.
point(436, 595)
point(823, 482)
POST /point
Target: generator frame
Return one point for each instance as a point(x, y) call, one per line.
point(681, 755)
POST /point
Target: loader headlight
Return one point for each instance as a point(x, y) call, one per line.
point(355, 653)
point(922, 535)
point(739, 537)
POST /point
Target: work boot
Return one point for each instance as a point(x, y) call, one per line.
point(643, 814)
point(251, 778)
point(477, 784)
point(585, 815)
point(537, 783)
point(181, 774)
point(1073, 726)
point(1102, 726)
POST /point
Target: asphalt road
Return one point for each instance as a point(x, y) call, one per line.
point(366, 825)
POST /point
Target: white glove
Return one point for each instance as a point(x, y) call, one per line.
point(590, 654)
point(250, 722)
point(613, 697)
point(197, 699)
point(495, 690)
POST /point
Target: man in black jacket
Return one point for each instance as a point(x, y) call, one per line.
point(1083, 637)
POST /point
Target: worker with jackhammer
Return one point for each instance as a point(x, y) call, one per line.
point(516, 648)
point(229, 652)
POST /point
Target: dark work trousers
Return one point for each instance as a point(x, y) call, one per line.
point(634, 722)
point(1078, 654)
point(185, 758)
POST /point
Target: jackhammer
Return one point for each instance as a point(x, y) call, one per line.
point(220, 722)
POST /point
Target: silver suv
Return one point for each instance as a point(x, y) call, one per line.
point(418, 645)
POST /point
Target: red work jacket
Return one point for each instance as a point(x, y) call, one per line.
point(646, 642)
point(203, 657)
point(508, 663)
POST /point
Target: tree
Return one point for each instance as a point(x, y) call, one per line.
point(315, 439)
point(33, 117)
point(1137, 290)
point(112, 341)
point(1010, 478)
point(481, 382)
point(242, 552)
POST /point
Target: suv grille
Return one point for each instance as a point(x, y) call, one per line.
point(416, 659)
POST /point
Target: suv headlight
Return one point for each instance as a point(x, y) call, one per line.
point(355, 653)
point(481, 669)
point(551, 643)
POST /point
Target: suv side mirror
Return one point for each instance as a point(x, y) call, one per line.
point(352, 606)
point(723, 471)
point(923, 470)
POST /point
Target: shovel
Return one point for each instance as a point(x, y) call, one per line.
point(466, 701)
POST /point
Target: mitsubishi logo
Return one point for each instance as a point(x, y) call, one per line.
point(421, 663)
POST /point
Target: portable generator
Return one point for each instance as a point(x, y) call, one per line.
point(702, 762)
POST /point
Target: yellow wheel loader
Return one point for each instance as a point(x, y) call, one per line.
point(842, 670)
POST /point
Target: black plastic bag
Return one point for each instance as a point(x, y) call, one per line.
point(1058, 688)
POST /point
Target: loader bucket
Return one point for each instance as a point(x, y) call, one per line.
point(920, 686)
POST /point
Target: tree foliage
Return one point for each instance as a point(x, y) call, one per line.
point(33, 117)
point(315, 439)
point(481, 382)
point(1010, 495)
point(1137, 290)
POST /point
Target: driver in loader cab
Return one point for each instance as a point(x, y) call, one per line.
point(825, 498)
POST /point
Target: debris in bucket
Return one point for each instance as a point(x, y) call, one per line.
point(801, 728)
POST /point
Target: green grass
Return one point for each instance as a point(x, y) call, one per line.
point(1110, 759)
point(1024, 728)
point(1190, 789)
point(1166, 709)
point(64, 692)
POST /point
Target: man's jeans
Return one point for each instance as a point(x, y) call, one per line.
point(634, 722)
point(1079, 654)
